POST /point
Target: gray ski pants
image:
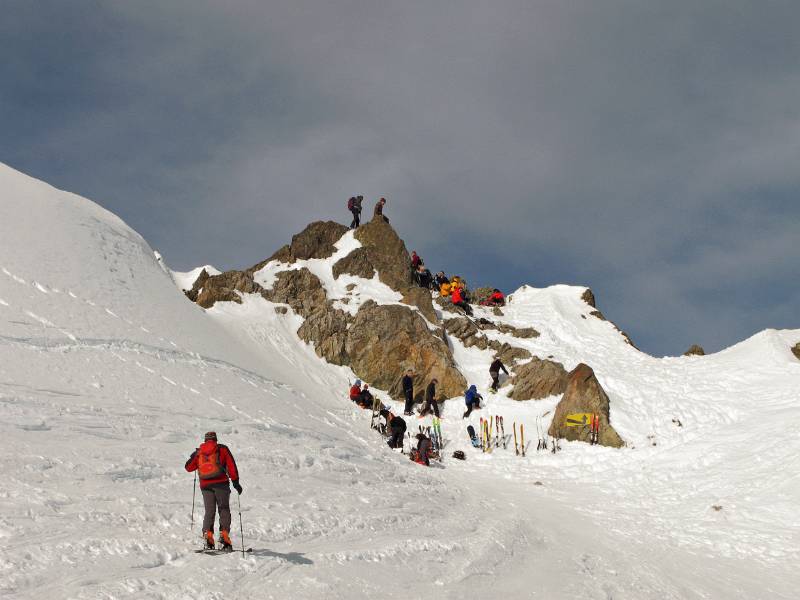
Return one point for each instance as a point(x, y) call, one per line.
point(213, 498)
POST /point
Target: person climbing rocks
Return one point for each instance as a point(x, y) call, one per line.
point(396, 426)
point(423, 276)
point(408, 392)
point(215, 467)
point(494, 371)
point(458, 298)
point(472, 399)
point(430, 399)
point(416, 261)
point(495, 299)
point(355, 391)
point(440, 280)
point(378, 214)
point(354, 206)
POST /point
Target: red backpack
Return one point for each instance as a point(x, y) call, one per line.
point(209, 465)
point(351, 204)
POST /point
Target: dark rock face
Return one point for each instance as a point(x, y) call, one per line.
point(796, 350)
point(510, 354)
point(197, 286)
point(225, 287)
point(387, 253)
point(385, 340)
point(356, 263)
point(584, 394)
point(315, 241)
point(300, 289)
point(538, 379)
point(421, 298)
point(695, 350)
point(588, 297)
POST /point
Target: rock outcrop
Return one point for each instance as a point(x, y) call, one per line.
point(796, 350)
point(695, 350)
point(385, 340)
point(315, 241)
point(387, 253)
point(584, 394)
point(538, 379)
point(226, 287)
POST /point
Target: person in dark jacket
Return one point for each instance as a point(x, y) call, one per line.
point(440, 279)
point(215, 467)
point(396, 426)
point(423, 276)
point(408, 392)
point(378, 213)
point(494, 371)
point(430, 399)
point(354, 205)
point(472, 399)
point(424, 448)
point(366, 397)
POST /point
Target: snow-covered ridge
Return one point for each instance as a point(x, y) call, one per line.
point(109, 376)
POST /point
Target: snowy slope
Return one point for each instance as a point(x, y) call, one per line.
point(109, 376)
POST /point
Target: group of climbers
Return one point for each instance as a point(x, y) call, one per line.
point(354, 206)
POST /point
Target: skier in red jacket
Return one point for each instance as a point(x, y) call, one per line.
point(215, 467)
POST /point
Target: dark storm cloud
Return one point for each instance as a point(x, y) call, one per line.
point(648, 149)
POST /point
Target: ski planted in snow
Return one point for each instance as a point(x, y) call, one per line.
point(516, 446)
point(473, 437)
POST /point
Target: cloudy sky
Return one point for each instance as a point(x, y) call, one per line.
point(649, 150)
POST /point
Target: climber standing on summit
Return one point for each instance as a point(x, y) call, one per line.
point(215, 467)
point(354, 206)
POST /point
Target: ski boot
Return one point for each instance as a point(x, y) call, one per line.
point(225, 540)
point(208, 536)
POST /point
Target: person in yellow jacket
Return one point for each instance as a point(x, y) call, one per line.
point(444, 289)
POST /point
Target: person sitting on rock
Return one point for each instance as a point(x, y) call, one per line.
point(440, 279)
point(495, 299)
point(396, 427)
point(355, 391)
point(458, 298)
point(430, 399)
point(416, 261)
point(378, 213)
point(472, 399)
point(365, 398)
point(494, 372)
point(444, 289)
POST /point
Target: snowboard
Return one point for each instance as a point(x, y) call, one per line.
point(476, 443)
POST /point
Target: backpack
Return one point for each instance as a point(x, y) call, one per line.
point(351, 204)
point(459, 454)
point(209, 466)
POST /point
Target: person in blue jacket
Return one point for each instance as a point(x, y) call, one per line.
point(472, 399)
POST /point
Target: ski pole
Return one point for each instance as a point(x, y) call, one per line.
point(241, 527)
point(194, 491)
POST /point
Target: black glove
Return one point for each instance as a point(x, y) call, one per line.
point(237, 486)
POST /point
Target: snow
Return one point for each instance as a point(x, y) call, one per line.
point(109, 377)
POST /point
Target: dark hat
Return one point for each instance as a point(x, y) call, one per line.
point(211, 435)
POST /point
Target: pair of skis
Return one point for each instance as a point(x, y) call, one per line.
point(519, 448)
point(594, 432)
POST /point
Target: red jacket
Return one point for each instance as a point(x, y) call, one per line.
point(456, 295)
point(497, 297)
point(225, 459)
point(355, 393)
